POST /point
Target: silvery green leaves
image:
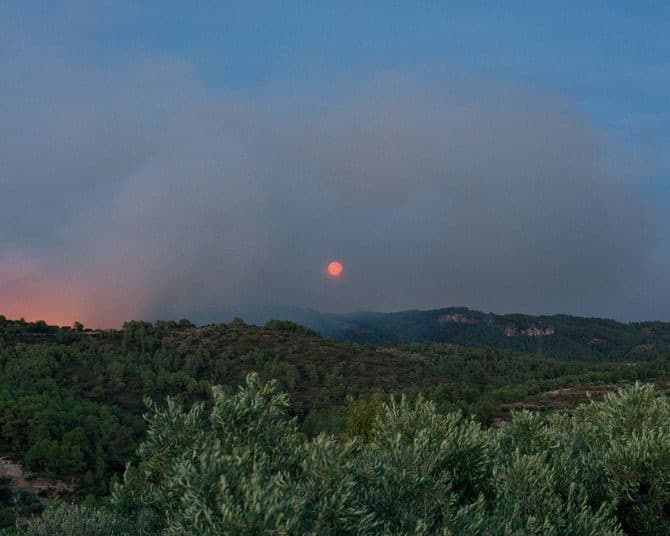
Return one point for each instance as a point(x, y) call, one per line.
point(243, 467)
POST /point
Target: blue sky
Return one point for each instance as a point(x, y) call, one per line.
point(611, 59)
point(605, 64)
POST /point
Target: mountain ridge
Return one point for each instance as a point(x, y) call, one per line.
point(559, 335)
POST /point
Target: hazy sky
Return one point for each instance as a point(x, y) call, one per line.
point(164, 159)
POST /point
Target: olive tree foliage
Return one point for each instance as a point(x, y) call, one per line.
point(244, 468)
point(74, 520)
point(620, 449)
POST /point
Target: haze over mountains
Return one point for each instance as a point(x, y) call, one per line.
point(436, 175)
point(563, 336)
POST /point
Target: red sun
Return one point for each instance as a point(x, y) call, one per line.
point(335, 268)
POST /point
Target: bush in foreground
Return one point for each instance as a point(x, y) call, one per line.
point(246, 469)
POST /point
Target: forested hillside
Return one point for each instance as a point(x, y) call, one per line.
point(561, 336)
point(71, 399)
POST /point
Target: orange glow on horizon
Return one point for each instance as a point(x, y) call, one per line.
point(335, 268)
point(28, 292)
point(35, 301)
point(63, 309)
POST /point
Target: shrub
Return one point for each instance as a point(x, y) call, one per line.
point(403, 468)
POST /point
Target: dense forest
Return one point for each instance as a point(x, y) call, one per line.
point(72, 400)
point(560, 336)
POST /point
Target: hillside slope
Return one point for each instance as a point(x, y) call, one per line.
point(71, 400)
point(560, 336)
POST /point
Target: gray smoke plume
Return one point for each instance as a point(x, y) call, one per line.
point(134, 192)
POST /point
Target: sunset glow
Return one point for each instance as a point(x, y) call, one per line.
point(335, 268)
point(29, 290)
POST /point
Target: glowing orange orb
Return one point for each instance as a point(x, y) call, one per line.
point(335, 268)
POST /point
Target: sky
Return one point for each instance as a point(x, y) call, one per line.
point(159, 159)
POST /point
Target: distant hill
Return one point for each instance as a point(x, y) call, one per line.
point(560, 336)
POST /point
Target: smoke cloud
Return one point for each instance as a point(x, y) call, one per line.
point(134, 192)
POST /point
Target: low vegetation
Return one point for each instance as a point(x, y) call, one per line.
point(245, 468)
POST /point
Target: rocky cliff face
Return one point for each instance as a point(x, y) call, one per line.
point(533, 331)
point(457, 318)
